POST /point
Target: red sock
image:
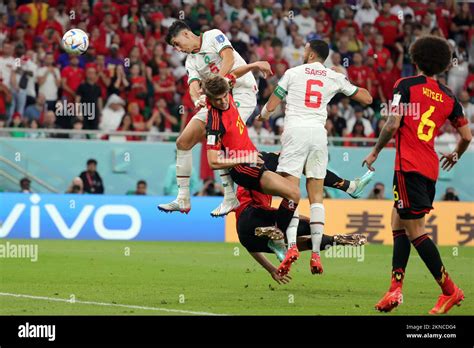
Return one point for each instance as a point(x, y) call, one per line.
point(445, 282)
point(397, 279)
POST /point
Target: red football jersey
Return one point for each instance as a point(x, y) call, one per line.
point(426, 106)
point(254, 198)
point(226, 131)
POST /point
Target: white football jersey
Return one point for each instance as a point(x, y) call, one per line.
point(207, 61)
point(308, 89)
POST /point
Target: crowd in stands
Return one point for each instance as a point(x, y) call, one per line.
point(136, 82)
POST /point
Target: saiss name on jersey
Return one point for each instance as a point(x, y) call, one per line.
point(308, 88)
point(208, 61)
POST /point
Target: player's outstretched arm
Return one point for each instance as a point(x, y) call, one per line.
point(227, 55)
point(263, 66)
point(270, 106)
point(362, 96)
point(387, 133)
point(265, 263)
point(449, 160)
point(195, 92)
point(218, 160)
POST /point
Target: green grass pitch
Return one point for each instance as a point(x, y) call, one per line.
point(218, 278)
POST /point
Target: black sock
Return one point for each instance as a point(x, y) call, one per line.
point(332, 180)
point(285, 213)
point(429, 254)
point(401, 253)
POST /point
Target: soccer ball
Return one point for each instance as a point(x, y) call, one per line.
point(75, 41)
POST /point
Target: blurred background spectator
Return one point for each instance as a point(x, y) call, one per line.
point(450, 195)
point(91, 178)
point(378, 192)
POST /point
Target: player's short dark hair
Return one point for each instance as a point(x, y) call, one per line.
point(431, 54)
point(215, 86)
point(175, 29)
point(320, 47)
point(141, 182)
point(91, 161)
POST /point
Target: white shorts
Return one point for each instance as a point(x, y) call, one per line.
point(246, 104)
point(304, 150)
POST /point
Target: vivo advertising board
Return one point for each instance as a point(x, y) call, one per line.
point(107, 217)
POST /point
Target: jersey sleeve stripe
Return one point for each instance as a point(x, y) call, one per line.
point(223, 48)
point(356, 90)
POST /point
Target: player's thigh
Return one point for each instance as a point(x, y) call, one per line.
point(317, 161)
point(192, 134)
point(246, 104)
point(295, 148)
point(276, 185)
point(396, 222)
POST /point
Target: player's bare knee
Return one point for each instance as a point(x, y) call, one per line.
point(183, 143)
point(295, 194)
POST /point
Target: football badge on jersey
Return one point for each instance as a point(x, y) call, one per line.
point(211, 139)
point(220, 38)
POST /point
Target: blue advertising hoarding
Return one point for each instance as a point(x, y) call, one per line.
point(107, 217)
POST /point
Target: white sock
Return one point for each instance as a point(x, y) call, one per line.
point(228, 183)
point(184, 165)
point(316, 222)
point(352, 187)
point(292, 230)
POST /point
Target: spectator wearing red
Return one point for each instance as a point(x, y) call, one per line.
point(23, 35)
point(347, 22)
point(50, 23)
point(5, 99)
point(380, 53)
point(469, 84)
point(323, 17)
point(96, 41)
point(444, 13)
point(387, 79)
point(132, 38)
point(169, 122)
point(390, 75)
point(278, 59)
point(164, 85)
point(420, 9)
point(104, 7)
point(137, 119)
point(108, 28)
point(126, 125)
point(358, 73)
point(156, 26)
point(103, 75)
point(72, 76)
point(357, 132)
point(372, 77)
point(137, 89)
point(388, 25)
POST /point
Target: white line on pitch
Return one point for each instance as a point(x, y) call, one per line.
point(107, 304)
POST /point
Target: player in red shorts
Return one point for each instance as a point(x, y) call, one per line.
point(229, 147)
point(417, 165)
